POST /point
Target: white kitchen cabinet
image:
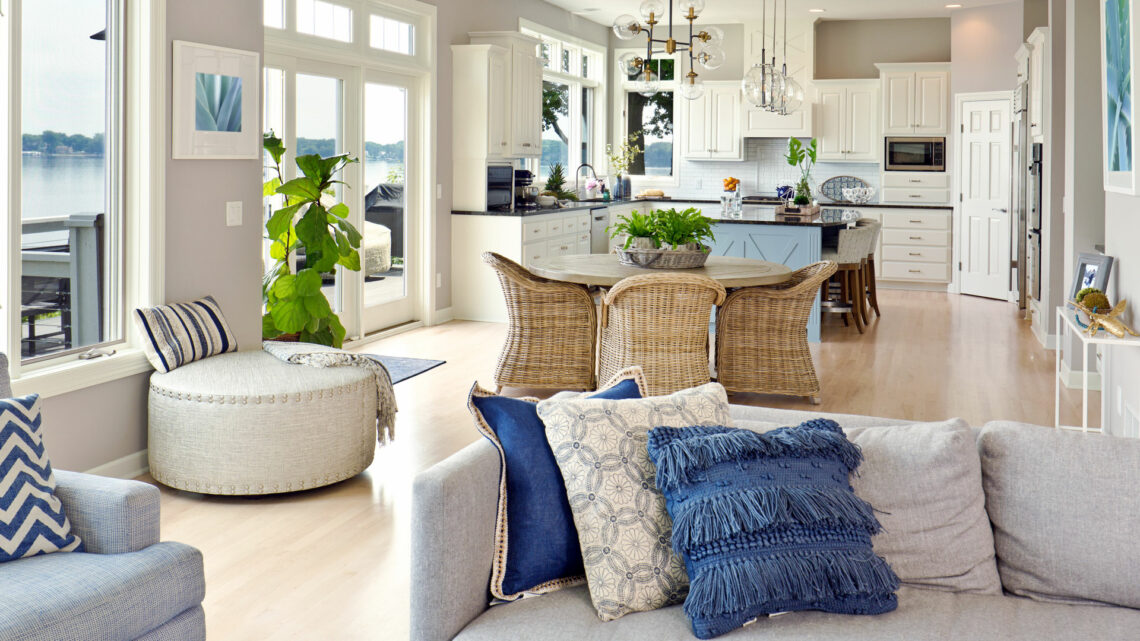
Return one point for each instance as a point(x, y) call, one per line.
point(498, 94)
point(847, 120)
point(521, 107)
point(916, 99)
point(1038, 48)
point(524, 239)
point(914, 246)
point(915, 188)
point(712, 124)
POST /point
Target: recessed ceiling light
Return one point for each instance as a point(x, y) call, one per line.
point(953, 6)
point(816, 10)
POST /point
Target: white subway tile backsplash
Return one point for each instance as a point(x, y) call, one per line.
point(761, 171)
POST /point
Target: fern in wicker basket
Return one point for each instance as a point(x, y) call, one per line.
point(664, 239)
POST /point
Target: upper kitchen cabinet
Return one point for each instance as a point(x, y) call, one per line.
point(1038, 45)
point(516, 113)
point(711, 124)
point(916, 99)
point(847, 120)
point(760, 123)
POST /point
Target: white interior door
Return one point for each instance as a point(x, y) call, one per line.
point(986, 174)
point(392, 201)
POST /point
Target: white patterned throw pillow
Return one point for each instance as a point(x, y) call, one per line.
point(623, 527)
point(31, 516)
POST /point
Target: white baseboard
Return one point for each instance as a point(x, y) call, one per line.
point(441, 316)
point(1074, 379)
point(913, 287)
point(129, 467)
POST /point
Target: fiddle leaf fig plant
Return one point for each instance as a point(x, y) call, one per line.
point(803, 158)
point(313, 224)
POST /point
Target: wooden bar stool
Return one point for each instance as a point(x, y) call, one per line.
point(851, 255)
point(869, 269)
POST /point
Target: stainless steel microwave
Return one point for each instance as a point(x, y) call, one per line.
point(915, 154)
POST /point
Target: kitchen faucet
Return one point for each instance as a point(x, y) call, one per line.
point(578, 174)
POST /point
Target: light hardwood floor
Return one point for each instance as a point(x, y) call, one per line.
point(332, 564)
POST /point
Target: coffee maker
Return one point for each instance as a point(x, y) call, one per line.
point(525, 190)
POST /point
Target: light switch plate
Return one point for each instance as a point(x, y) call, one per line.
point(233, 213)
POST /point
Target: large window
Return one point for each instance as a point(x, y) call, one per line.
point(573, 90)
point(649, 120)
point(70, 279)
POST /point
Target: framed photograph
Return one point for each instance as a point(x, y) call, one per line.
point(217, 105)
point(1093, 270)
point(1119, 60)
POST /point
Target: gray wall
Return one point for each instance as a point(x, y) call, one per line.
point(456, 19)
point(982, 44)
point(1122, 237)
point(1035, 13)
point(100, 424)
point(850, 48)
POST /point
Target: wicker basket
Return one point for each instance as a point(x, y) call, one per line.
point(663, 258)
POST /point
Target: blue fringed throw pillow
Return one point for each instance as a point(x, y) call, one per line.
point(769, 523)
point(536, 543)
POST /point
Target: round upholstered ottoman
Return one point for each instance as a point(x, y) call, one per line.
point(249, 423)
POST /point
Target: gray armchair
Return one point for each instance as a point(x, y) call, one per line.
point(125, 586)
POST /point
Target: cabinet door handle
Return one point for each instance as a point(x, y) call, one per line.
point(915, 254)
point(915, 180)
point(915, 271)
point(916, 237)
point(916, 195)
point(916, 222)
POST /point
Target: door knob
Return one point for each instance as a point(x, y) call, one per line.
point(1001, 210)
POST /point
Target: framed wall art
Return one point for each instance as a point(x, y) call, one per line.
point(1119, 61)
point(1093, 270)
point(216, 102)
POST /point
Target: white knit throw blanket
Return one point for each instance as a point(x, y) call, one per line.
point(322, 356)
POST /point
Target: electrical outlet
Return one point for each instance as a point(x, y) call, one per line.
point(700, 183)
point(233, 213)
point(438, 280)
point(439, 192)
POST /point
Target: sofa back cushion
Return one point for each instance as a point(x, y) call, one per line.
point(1065, 513)
point(925, 482)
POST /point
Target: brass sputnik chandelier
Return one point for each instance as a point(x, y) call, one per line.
point(704, 47)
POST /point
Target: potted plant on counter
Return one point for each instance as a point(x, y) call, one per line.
point(664, 239)
point(803, 158)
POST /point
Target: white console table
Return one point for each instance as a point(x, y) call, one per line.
point(1066, 322)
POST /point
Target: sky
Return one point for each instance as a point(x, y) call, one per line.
point(63, 69)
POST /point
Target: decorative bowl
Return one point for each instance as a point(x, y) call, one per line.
point(663, 258)
point(858, 195)
point(546, 201)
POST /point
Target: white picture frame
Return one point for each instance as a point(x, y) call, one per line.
point(216, 103)
point(1119, 181)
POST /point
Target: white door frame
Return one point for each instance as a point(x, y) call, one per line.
point(955, 286)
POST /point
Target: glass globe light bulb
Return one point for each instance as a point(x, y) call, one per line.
point(716, 35)
point(793, 95)
point(754, 86)
point(652, 10)
point(629, 64)
point(696, 5)
point(648, 84)
point(692, 87)
point(626, 27)
point(776, 88)
point(712, 57)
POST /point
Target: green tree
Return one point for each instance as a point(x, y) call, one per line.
point(555, 102)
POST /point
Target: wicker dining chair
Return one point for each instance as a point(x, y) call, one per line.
point(761, 336)
point(551, 333)
point(870, 281)
point(660, 322)
point(854, 246)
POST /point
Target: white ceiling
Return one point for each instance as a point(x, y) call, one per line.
point(734, 11)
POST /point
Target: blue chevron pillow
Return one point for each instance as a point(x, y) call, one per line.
point(769, 523)
point(31, 517)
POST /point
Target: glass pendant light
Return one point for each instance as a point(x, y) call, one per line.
point(692, 87)
point(629, 64)
point(697, 7)
point(652, 10)
point(757, 83)
point(793, 96)
point(626, 27)
point(647, 84)
point(712, 57)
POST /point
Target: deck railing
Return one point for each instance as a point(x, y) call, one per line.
point(64, 248)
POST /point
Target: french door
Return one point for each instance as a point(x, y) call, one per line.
point(327, 109)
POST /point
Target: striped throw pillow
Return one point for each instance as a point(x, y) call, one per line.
point(31, 516)
point(174, 335)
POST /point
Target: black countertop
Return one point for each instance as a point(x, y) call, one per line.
point(587, 206)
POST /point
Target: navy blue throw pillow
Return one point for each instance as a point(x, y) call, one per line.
point(536, 543)
point(769, 523)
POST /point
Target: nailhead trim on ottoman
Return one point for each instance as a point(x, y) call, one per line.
point(248, 423)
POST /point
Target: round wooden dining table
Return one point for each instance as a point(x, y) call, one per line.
point(604, 270)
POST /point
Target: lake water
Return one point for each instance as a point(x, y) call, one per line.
point(64, 185)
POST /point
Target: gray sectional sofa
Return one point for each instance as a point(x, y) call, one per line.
point(1060, 530)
